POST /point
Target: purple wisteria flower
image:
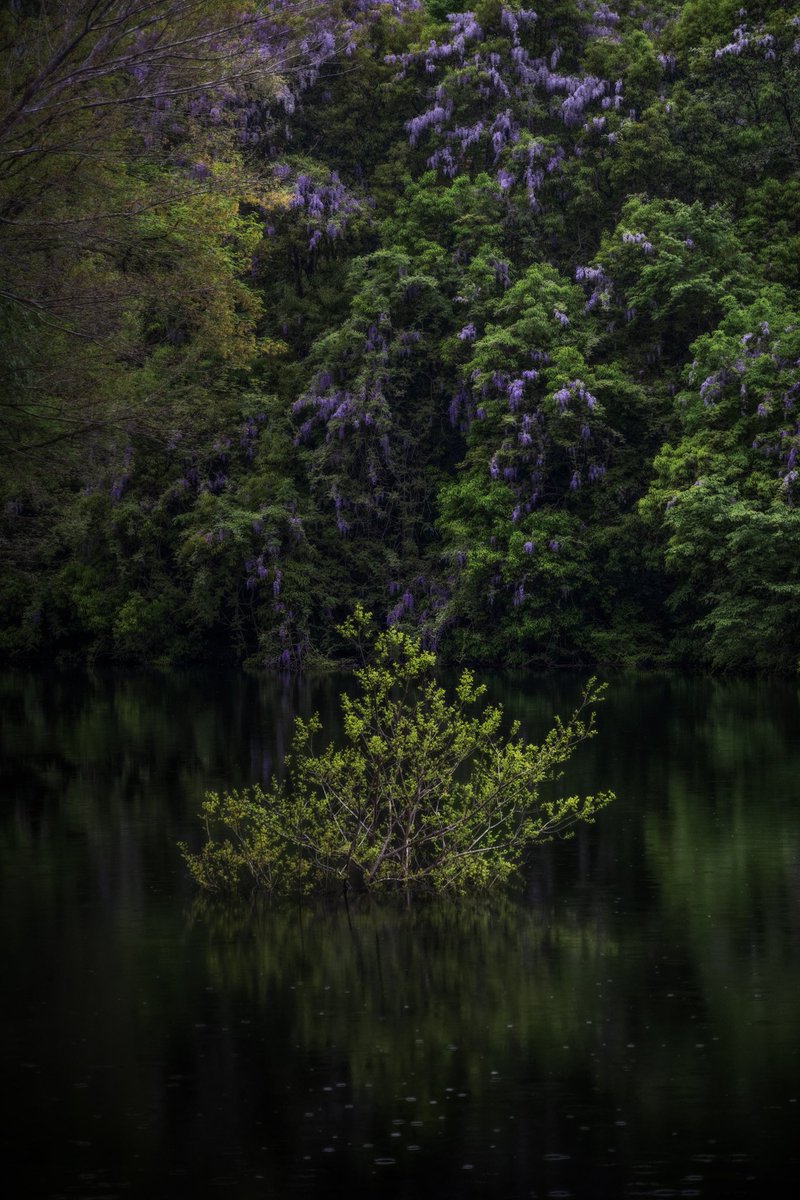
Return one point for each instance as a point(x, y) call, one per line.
point(499, 74)
point(327, 205)
point(638, 239)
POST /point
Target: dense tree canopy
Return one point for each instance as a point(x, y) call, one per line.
point(486, 317)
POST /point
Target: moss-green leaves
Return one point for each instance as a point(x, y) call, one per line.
point(425, 792)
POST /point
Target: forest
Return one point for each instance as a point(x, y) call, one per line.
point(484, 318)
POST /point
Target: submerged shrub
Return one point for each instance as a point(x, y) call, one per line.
point(426, 792)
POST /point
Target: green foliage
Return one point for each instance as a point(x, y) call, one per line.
point(675, 267)
point(724, 493)
point(440, 8)
point(274, 343)
point(425, 792)
point(771, 224)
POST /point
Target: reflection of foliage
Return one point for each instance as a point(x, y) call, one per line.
point(413, 970)
point(670, 924)
point(423, 793)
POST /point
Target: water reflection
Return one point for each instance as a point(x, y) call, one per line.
point(628, 1026)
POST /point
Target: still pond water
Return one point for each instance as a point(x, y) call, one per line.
point(628, 1026)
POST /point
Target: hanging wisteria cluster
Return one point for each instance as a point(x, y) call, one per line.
point(535, 457)
point(779, 404)
point(423, 599)
point(289, 42)
point(279, 536)
point(761, 43)
point(760, 382)
point(602, 22)
point(479, 68)
point(350, 417)
point(601, 285)
point(637, 239)
point(327, 206)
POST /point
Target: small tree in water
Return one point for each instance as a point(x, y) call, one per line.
point(425, 793)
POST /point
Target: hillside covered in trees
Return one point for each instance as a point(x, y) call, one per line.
point(488, 319)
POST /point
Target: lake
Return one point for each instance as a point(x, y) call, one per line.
point(625, 1025)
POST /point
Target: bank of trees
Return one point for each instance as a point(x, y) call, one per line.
point(486, 319)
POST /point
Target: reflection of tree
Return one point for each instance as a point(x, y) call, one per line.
point(725, 852)
point(104, 771)
point(570, 1011)
point(420, 976)
point(413, 1013)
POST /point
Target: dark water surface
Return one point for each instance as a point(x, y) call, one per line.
point(628, 1027)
